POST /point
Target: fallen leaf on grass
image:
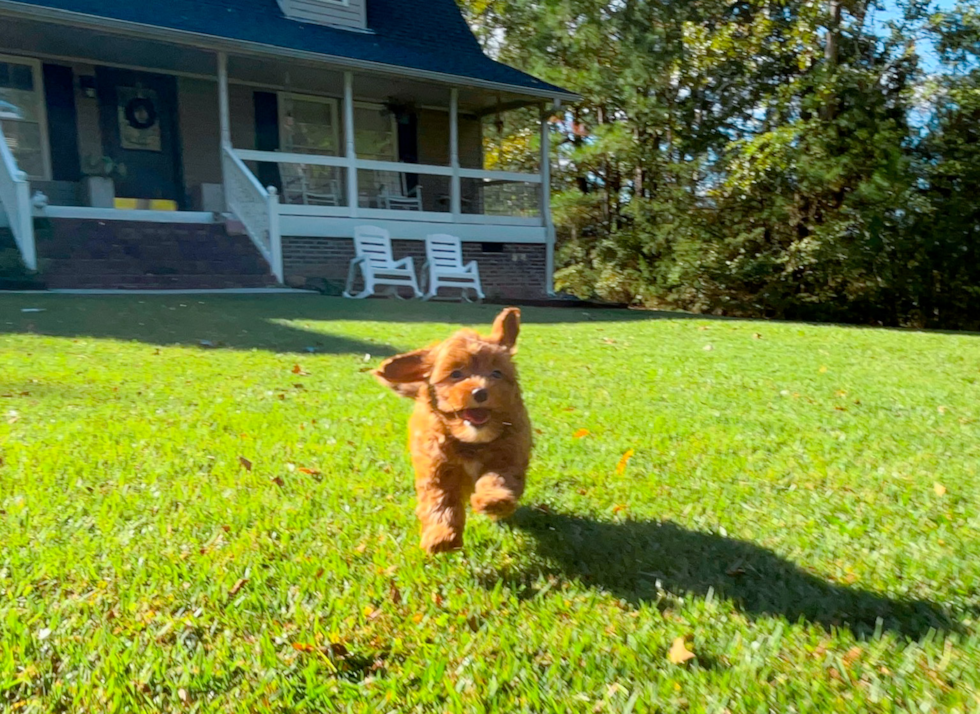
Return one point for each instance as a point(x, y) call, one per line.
point(308, 471)
point(851, 656)
point(245, 463)
point(621, 466)
point(239, 584)
point(581, 434)
point(679, 653)
point(756, 336)
point(182, 695)
point(336, 649)
point(939, 489)
point(394, 593)
point(735, 569)
point(299, 370)
point(619, 507)
point(278, 481)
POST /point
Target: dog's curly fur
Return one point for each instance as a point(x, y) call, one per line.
point(470, 436)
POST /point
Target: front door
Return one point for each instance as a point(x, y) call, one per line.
point(138, 118)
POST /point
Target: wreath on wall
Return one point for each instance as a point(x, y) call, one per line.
point(140, 113)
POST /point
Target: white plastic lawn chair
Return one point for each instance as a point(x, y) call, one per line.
point(372, 248)
point(444, 267)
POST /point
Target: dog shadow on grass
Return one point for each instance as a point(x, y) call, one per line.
point(648, 561)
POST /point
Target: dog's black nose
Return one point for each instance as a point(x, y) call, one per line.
point(480, 395)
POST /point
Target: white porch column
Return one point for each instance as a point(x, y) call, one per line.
point(351, 153)
point(455, 197)
point(224, 123)
point(224, 113)
point(546, 200)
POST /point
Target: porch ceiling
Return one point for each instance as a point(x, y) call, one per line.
point(60, 42)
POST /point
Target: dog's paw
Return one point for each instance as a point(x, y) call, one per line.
point(441, 539)
point(497, 503)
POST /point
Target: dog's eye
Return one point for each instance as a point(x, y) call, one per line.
point(497, 374)
point(456, 374)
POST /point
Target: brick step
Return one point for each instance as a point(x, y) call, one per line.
point(157, 251)
point(158, 282)
point(145, 267)
point(93, 254)
point(154, 251)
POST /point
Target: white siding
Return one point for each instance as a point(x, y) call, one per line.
point(352, 13)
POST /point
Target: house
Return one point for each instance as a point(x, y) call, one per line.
point(224, 143)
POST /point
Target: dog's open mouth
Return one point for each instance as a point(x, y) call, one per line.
point(475, 417)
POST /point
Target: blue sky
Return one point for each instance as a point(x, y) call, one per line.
point(926, 50)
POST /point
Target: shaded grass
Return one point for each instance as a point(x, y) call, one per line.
point(801, 506)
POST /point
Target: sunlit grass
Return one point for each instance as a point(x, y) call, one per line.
point(206, 505)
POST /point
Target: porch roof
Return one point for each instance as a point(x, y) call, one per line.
point(423, 38)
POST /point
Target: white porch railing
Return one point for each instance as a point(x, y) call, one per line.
point(15, 198)
point(256, 207)
point(498, 198)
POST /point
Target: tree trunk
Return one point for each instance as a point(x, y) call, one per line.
point(831, 51)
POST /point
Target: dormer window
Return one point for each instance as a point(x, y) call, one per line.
point(348, 14)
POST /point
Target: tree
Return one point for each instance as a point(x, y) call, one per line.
point(755, 157)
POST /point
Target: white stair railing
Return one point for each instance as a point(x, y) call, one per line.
point(15, 199)
point(256, 207)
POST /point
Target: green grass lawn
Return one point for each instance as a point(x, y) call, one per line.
point(206, 506)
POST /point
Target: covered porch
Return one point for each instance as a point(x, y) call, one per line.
point(293, 152)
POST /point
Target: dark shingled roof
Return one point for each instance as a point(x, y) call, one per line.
point(426, 35)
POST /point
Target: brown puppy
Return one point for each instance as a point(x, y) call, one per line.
point(470, 436)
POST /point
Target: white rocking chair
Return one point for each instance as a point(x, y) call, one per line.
point(296, 188)
point(393, 195)
point(372, 248)
point(444, 267)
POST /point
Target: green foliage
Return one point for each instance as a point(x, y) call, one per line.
point(801, 506)
point(14, 275)
point(758, 157)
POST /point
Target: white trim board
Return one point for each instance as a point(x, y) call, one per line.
point(318, 227)
point(116, 214)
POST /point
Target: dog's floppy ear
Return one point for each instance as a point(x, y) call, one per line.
point(405, 373)
point(506, 327)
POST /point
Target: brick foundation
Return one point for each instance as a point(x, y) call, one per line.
point(516, 272)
